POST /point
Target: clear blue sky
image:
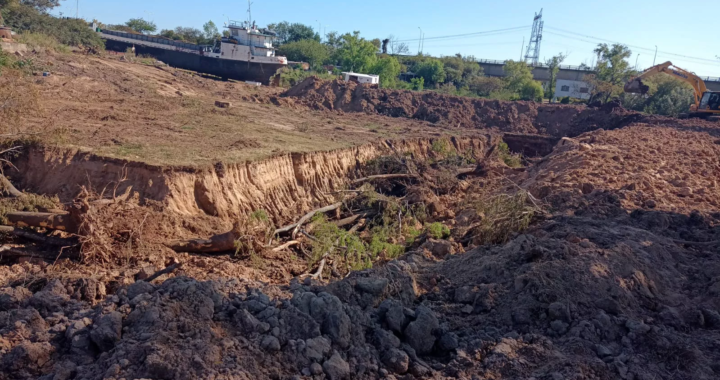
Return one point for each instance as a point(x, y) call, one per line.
point(571, 26)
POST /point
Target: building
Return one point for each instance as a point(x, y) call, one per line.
point(361, 78)
point(573, 88)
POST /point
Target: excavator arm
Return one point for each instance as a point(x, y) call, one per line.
point(636, 85)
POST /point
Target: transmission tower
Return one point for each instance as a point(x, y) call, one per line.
point(533, 49)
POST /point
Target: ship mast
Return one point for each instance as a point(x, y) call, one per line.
point(249, 15)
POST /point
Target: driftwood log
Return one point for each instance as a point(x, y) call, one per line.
point(53, 221)
point(37, 237)
point(218, 243)
point(9, 188)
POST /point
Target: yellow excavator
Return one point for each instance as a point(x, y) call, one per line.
point(707, 103)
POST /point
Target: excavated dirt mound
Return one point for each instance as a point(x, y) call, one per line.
point(458, 112)
point(607, 285)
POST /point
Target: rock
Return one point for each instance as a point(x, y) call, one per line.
point(637, 327)
point(395, 316)
point(107, 331)
point(602, 351)
point(27, 356)
point(712, 318)
point(384, 340)
point(438, 248)
point(64, 370)
point(447, 342)
point(608, 305)
point(650, 203)
point(222, 104)
point(684, 191)
point(503, 348)
point(467, 309)
point(559, 326)
point(485, 299)
point(336, 367)
point(145, 272)
point(587, 188)
point(270, 343)
point(317, 348)
point(337, 327)
point(559, 311)
point(299, 325)
point(138, 288)
point(396, 360)
point(419, 333)
point(316, 369)
point(465, 294)
point(373, 285)
point(12, 298)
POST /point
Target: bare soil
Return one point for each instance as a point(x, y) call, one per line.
point(615, 274)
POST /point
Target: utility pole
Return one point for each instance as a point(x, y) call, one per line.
point(636, 59)
point(655, 55)
point(419, 41)
point(522, 47)
point(77, 9)
point(533, 48)
point(422, 46)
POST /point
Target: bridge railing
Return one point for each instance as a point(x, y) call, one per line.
point(564, 67)
point(157, 40)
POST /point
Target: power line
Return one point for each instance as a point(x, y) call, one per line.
point(628, 45)
point(467, 35)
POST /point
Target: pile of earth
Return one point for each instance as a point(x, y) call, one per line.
point(575, 297)
point(460, 112)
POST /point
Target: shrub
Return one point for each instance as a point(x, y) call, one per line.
point(42, 42)
point(289, 77)
point(510, 159)
point(417, 84)
point(437, 230)
point(565, 100)
point(71, 32)
point(532, 90)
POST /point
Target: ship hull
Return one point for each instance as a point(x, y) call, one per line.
point(224, 68)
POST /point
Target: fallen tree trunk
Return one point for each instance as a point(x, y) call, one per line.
point(37, 237)
point(9, 188)
point(217, 243)
point(48, 220)
point(14, 252)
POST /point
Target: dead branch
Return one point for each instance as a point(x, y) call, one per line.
point(168, 269)
point(218, 243)
point(37, 237)
point(309, 215)
point(286, 245)
point(52, 221)
point(463, 171)
point(296, 226)
point(381, 176)
point(9, 188)
point(22, 251)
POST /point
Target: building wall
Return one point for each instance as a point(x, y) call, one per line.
point(573, 88)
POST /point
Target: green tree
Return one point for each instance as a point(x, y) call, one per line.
point(517, 74)
point(287, 32)
point(611, 72)
point(666, 96)
point(388, 68)
point(484, 86)
point(532, 90)
point(553, 65)
point(356, 53)
point(310, 51)
point(211, 30)
point(461, 70)
point(140, 25)
point(431, 70)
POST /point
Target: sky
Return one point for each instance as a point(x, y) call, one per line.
point(682, 34)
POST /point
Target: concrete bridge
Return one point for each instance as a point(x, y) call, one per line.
point(570, 73)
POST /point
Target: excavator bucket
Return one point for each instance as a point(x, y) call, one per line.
point(636, 86)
